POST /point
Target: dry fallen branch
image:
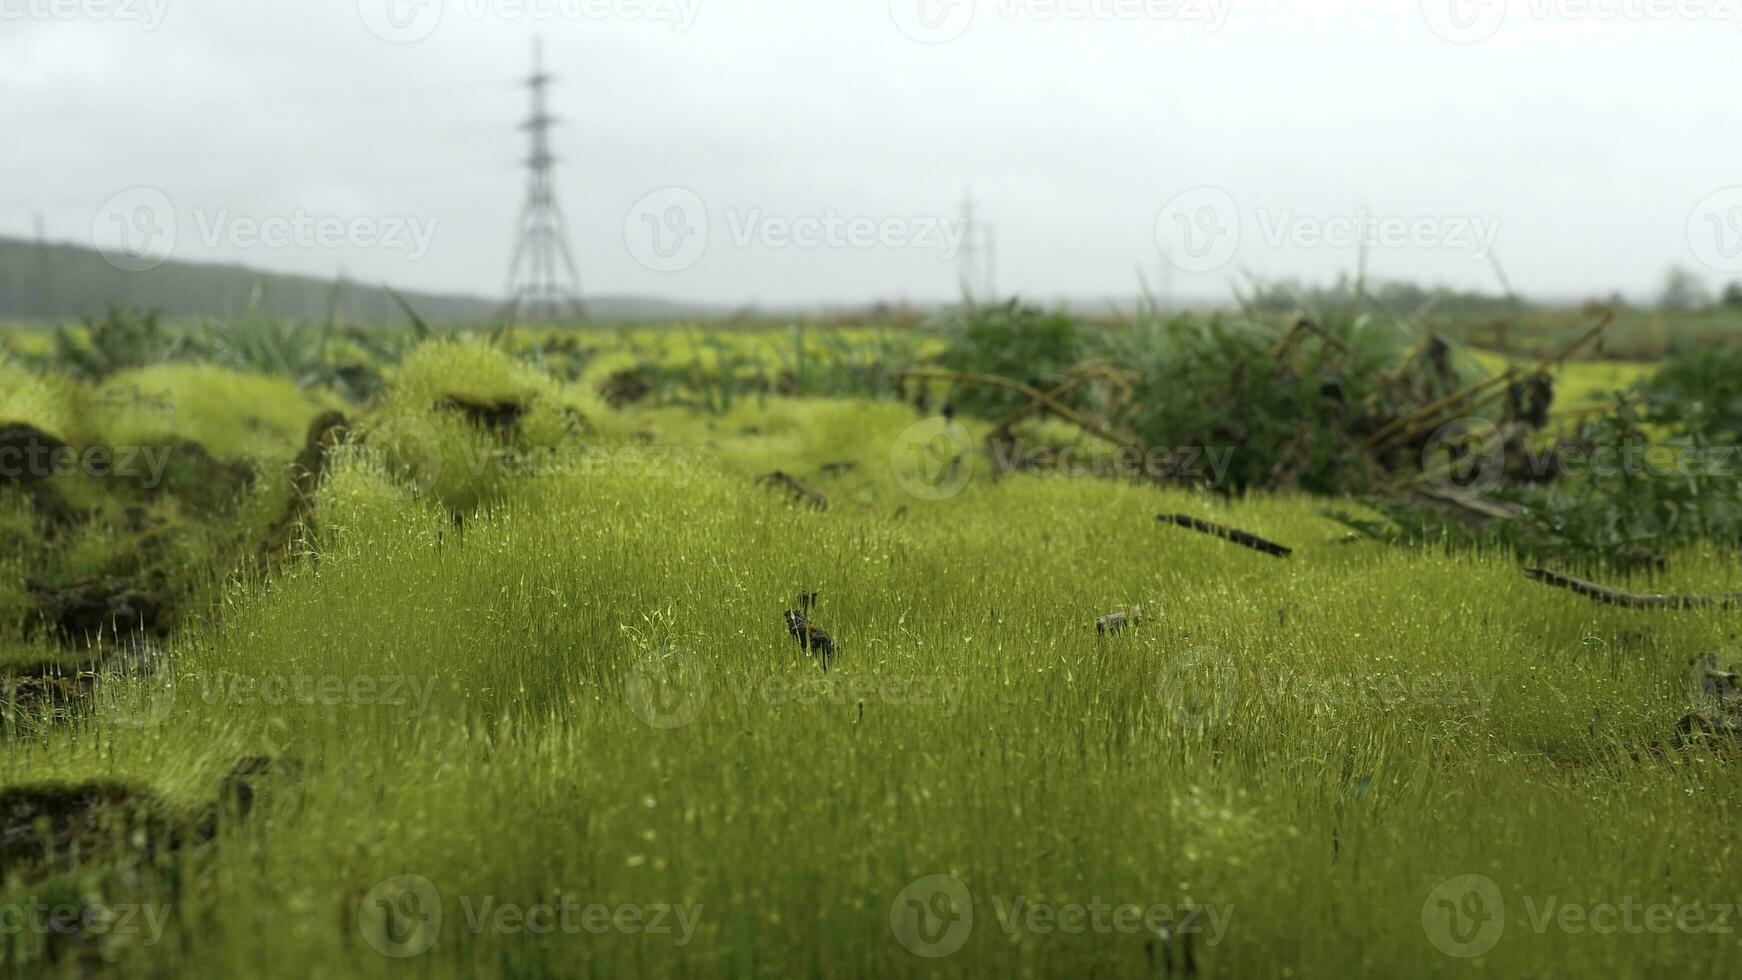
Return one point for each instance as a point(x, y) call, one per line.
point(1630, 600)
point(1045, 401)
point(1299, 332)
point(1413, 420)
point(1229, 534)
point(1076, 379)
point(1413, 423)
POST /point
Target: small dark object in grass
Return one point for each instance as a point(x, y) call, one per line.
point(1241, 538)
point(1116, 622)
point(799, 492)
point(809, 635)
point(1177, 958)
point(838, 469)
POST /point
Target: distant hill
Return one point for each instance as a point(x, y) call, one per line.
point(59, 282)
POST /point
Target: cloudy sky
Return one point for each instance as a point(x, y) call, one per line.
point(802, 151)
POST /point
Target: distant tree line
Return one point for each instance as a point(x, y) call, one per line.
point(63, 282)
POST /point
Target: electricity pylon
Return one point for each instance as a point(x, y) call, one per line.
point(542, 281)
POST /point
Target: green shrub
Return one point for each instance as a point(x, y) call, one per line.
point(430, 427)
point(1023, 343)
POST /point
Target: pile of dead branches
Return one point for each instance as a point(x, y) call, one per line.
point(1347, 424)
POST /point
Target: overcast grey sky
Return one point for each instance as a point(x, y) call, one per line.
point(797, 151)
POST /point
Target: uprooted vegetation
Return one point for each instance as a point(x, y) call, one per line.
point(1435, 449)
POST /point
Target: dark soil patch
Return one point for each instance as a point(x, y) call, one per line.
point(25, 453)
point(49, 823)
point(47, 827)
point(326, 433)
point(194, 476)
point(42, 695)
point(501, 417)
point(625, 388)
point(80, 613)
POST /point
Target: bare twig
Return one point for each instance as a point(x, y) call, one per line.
point(1630, 600)
point(1229, 534)
point(1046, 401)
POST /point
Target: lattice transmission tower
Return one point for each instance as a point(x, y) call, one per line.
point(542, 281)
point(977, 262)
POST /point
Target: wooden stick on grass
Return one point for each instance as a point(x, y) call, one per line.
point(1630, 600)
point(1046, 401)
point(1229, 534)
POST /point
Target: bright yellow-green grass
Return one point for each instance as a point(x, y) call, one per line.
point(586, 695)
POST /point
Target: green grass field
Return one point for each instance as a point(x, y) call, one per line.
point(565, 732)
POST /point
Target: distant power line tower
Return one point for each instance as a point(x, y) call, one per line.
point(542, 281)
point(977, 262)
